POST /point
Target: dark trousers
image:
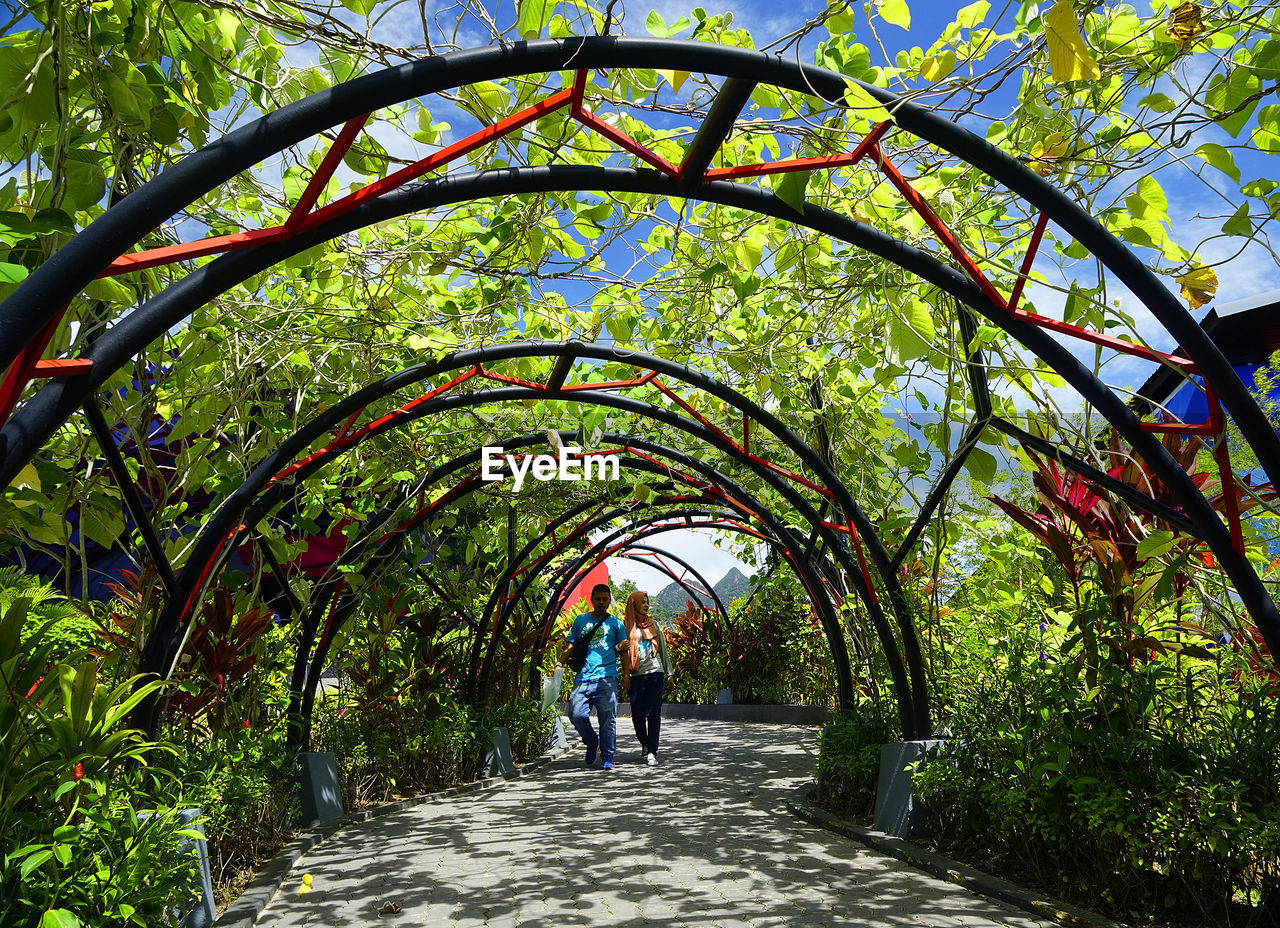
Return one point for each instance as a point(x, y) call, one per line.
point(646, 708)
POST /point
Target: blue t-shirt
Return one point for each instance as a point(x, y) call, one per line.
point(602, 655)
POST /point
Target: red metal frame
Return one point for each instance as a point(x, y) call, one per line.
point(29, 366)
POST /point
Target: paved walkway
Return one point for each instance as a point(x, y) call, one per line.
point(702, 840)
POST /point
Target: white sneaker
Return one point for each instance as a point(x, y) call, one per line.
point(650, 760)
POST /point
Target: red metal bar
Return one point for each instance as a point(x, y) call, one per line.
point(587, 118)
point(414, 404)
point(198, 590)
point(576, 94)
point(23, 367)
point(440, 158)
point(351, 420)
point(64, 367)
point(1032, 247)
point(515, 381)
point(1222, 454)
point(939, 228)
point(788, 165)
point(154, 257)
point(862, 562)
point(1107, 341)
point(1179, 428)
point(610, 384)
point(794, 477)
point(424, 512)
point(670, 394)
point(333, 157)
point(345, 440)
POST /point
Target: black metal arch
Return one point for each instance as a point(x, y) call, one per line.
point(707, 589)
point(246, 506)
point(60, 397)
point(52, 285)
point(306, 673)
point(803, 568)
point(69, 270)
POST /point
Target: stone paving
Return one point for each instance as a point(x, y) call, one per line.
point(702, 840)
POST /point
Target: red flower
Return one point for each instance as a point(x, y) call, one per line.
point(246, 723)
point(77, 772)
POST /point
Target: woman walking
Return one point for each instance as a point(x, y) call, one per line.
point(650, 669)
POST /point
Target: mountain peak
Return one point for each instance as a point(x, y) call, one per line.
point(673, 598)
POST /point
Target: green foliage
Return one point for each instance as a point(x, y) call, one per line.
point(1155, 790)
point(849, 756)
point(770, 650)
point(85, 836)
point(383, 755)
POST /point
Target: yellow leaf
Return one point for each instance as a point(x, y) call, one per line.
point(1069, 57)
point(674, 78)
point(896, 13)
point(935, 69)
point(27, 479)
point(306, 884)
point(1185, 23)
point(1199, 286)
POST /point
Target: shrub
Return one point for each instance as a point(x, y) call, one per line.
point(72, 779)
point(1155, 792)
point(849, 756)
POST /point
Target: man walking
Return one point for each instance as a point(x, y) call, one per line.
point(597, 682)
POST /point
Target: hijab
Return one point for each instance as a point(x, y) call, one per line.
point(639, 625)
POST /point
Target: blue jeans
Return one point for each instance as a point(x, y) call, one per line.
point(646, 708)
point(603, 694)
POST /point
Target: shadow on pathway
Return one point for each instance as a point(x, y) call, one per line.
point(702, 840)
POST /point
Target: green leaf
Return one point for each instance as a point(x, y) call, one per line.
point(792, 189)
point(982, 465)
point(1147, 201)
point(488, 98)
point(367, 157)
point(102, 525)
point(1220, 158)
point(12, 273)
point(1226, 99)
point(656, 25)
point(840, 21)
point(531, 16)
point(1266, 134)
point(120, 97)
point(363, 7)
point(862, 103)
point(1157, 544)
point(109, 290)
point(748, 251)
point(973, 14)
point(59, 918)
point(909, 332)
point(31, 861)
point(895, 13)
point(1158, 102)
point(1239, 223)
point(935, 69)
